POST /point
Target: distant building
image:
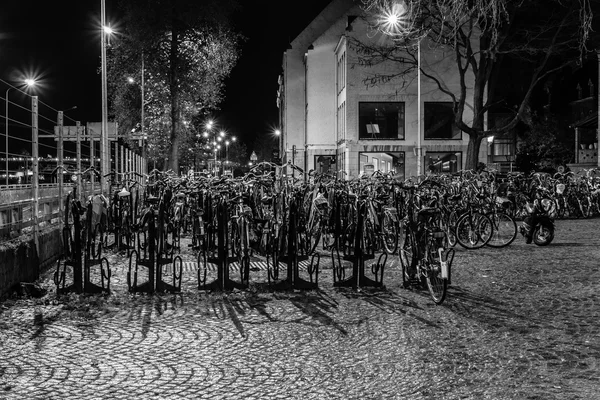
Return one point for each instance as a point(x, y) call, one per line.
point(331, 121)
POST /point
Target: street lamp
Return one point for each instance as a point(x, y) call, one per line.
point(131, 80)
point(395, 22)
point(227, 143)
point(106, 32)
point(29, 82)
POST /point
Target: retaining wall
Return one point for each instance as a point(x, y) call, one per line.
point(20, 262)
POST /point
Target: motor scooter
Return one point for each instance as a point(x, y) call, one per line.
point(538, 224)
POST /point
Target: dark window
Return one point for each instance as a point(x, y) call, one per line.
point(381, 120)
point(439, 121)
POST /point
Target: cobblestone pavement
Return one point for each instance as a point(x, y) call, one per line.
point(519, 323)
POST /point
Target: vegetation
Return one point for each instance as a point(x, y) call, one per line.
point(544, 147)
point(187, 49)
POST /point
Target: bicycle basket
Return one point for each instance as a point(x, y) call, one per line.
point(247, 211)
point(560, 188)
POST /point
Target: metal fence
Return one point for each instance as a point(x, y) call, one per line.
point(44, 153)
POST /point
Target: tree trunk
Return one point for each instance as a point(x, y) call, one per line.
point(173, 163)
point(473, 152)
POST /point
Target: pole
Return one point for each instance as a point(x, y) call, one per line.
point(35, 167)
point(78, 155)
point(6, 131)
point(144, 144)
point(92, 161)
point(104, 133)
point(419, 108)
point(60, 169)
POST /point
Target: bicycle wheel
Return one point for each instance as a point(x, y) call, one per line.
point(451, 228)
point(584, 206)
point(235, 243)
point(437, 285)
point(390, 235)
point(347, 242)
point(313, 235)
point(504, 230)
point(473, 231)
point(408, 258)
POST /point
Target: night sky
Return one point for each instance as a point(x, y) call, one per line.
point(59, 43)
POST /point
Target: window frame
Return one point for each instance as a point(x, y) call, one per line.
point(361, 122)
point(454, 128)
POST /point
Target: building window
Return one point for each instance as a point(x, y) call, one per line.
point(341, 121)
point(502, 147)
point(443, 163)
point(439, 121)
point(381, 120)
point(341, 72)
point(386, 162)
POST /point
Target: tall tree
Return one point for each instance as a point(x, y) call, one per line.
point(545, 35)
point(188, 48)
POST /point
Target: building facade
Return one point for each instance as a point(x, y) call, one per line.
point(333, 121)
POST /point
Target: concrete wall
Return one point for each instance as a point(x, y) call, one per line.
point(20, 262)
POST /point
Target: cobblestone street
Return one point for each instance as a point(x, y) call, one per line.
point(518, 323)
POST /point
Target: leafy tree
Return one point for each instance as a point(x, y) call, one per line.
point(544, 147)
point(481, 36)
point(188, 48)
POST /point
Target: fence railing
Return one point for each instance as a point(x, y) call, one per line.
point(41, 145)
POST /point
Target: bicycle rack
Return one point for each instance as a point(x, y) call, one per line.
point(145, 249)
point(165, 255)
point(358, 258)
point(93, 257)
point(293, 259)
point(71, 256)
point(222, 260)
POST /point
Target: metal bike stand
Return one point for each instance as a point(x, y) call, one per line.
point(292, 259)
point(165, 255)
point(71, 257)
point(143, 256)
point(222, 261)
point(358, 258)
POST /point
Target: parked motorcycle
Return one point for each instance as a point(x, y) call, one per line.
point(538, 225)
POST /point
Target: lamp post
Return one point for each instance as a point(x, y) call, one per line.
point(29, 83)
point(227, 143)
point(393, 24)
point(144, 141)
point(106, 31)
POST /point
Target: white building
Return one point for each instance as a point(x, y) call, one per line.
point(330, 119)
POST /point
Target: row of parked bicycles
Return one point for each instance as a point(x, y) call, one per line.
point(287, 220)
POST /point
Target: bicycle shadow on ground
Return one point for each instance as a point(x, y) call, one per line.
point(489, 311)
point(388, 301)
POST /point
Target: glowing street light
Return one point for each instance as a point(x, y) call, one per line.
point(227, 143)
point(104, 38)
point(29, 82)
point(395, 22)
